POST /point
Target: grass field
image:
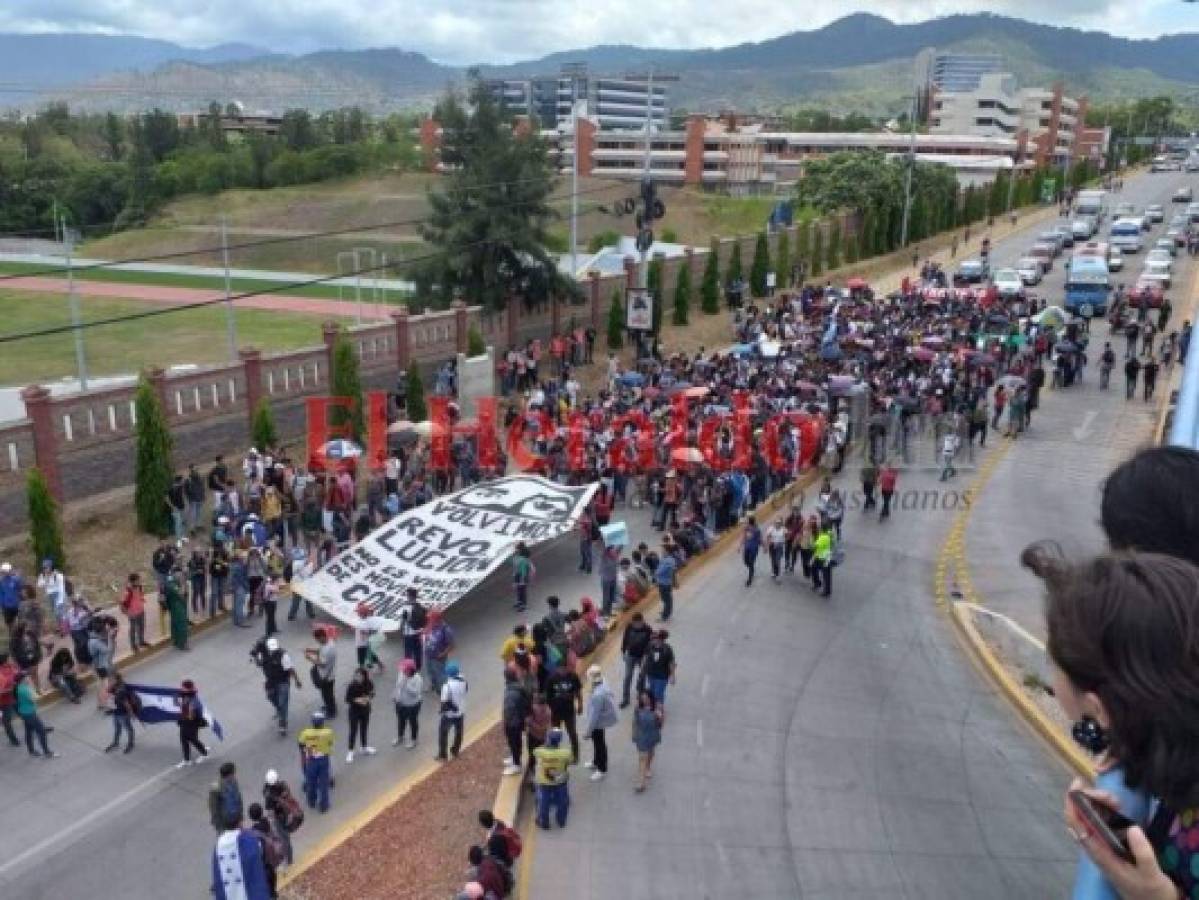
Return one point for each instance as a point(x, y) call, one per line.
point(190, 336)
point(202, 282)
point(190, 225)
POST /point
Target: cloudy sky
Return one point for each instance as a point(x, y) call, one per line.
point(462, 31)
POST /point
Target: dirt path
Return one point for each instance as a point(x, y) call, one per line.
point(181, 296)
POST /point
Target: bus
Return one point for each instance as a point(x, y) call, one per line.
point(1126, 234)
point(1087, 285)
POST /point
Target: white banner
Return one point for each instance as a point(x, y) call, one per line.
point(444, 548)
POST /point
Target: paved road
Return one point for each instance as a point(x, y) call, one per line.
point(1080, 435)
point(845, 748)
point(133, 827)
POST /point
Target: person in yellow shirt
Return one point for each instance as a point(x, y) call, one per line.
point(316, 747)
point(822, 560)
point(519, 638)
point(552, 779)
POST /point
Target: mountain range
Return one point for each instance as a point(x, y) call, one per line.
point(861, 62)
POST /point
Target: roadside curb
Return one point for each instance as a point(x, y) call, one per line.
point(952, 583)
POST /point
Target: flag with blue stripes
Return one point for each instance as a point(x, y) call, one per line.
point(161, 704)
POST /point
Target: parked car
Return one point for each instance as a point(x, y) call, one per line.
point(1183, 194)
point(1008, 284)
point(1115, 259)
point(1155, 212)
point(1166, 244)
point(1030, 269)
point(971, 271)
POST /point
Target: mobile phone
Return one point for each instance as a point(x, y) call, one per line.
point(1109, 825)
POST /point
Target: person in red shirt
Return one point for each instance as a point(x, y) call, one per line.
point(8, 698)
point(887, 480)
point(133, 605)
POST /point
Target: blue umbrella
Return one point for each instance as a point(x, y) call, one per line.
point(632, 379)
point(341, 449)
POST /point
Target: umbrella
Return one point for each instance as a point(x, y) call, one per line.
point(769, 349)
point(1012, 381)
point(932, 341)
point(696, 393)
point(1065, 346)
point(922, 354)
point(419, 429)
point(856, 284)
point(1052, 315)
point(686, 455)
point(632, 379)
point(341, 449)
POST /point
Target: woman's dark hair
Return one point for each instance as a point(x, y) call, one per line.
point(1126, 628)
point(1149, 503)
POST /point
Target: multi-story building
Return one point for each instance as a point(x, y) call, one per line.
point(615, 102)
point(752, 159)
point(962, 71)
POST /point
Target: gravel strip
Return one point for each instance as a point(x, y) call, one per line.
point(416, 848)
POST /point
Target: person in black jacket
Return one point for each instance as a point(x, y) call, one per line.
point(632, 648)
point(218, 475)
point(359, 694)
point(190, 721)
point(193, 489)
point(517, 703)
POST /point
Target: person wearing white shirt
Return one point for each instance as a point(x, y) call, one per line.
point(453, 698)
point(53, 585)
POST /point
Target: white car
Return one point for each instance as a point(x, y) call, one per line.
point(1167, 244)
point(1115, 259)
point(1157, 270)
point(1163, 257)
point(1155, 212)
point(1083, 228)
point(1031, 270)
point(1008, 282)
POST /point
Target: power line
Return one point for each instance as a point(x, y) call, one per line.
point(200, 304)
point(177, 254)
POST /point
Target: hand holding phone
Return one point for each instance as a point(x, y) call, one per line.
point(1110, 826)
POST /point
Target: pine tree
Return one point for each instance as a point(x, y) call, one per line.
point(760, 266)
point(735, 274)
point(817, 266)
point(45, 525)
point(834, 242)
point(710, 287)
point(154, 468)
point(263, 433)
point(682, 295)
point(782, 264)
point(418, 410)
point(347, 382)
point(616, 321)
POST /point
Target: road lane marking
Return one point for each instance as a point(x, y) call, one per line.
point(699, 735)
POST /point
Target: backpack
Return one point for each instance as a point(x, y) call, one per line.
point(512, 839)
point(135, 702)
point(289, 812)
point(418, 616)
point(273, 850)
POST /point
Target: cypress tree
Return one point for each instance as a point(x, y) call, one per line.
point(418, 410)
point(263, 432)
point(45, 525)
point(616, 321)
point(782, 266)
point(817, 266)
point(709, 291)
point(735, 273)
point(682, 295)
point(347, 382)
point(760, 266)
point(154, 469)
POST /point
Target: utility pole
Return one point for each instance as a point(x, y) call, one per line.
point(230, 320)
point(574, 175)
point(907, 181)
point(73, 298)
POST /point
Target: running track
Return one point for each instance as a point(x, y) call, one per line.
point(181, 296)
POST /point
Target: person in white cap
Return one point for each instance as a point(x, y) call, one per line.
point(600, 715)
point(279, 674)
point(284, 810)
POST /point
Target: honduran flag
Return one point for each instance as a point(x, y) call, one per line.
point(161, 704)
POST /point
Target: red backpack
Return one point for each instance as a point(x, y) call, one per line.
point(512, 839)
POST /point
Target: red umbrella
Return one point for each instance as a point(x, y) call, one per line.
point(686, 455)
point(856, 284)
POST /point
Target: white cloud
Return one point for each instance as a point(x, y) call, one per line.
point(463, 31)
